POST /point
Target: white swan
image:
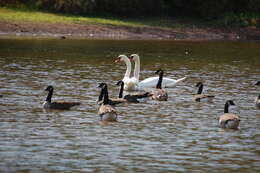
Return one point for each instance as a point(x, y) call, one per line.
point(130, 83)
point(151, 81)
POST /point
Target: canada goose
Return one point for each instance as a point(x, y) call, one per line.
point(159, 93)
point(106, 111)
point(257, 100)
point(133, 98)
point(56, 105)
point(229, 120)
point(202, 97)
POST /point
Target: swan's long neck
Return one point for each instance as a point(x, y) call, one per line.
point(159, 83)
point(121, 90)
point(226, 108)
point(200, 89)
point(49, 96)
point(106, 99)
point(128, 67)
point(137, 68)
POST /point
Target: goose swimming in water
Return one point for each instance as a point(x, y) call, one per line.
point(202, 97)
point(48, 104)
point(106, 111)
point(229, 120)
point(159, 93)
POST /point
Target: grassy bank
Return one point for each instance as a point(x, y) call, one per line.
point(31, 22)
point(27, 16)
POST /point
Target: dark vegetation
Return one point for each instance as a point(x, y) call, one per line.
point(224, 12)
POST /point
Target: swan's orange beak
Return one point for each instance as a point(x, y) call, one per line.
point(117, 60)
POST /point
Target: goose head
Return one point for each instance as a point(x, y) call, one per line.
point(159, 71)
point(119, 83)
point(49, 88)
point(102, 85)
point(121, 58)
point(134, 57)
point(258, 83)
point(199, 84)
point(230, 102)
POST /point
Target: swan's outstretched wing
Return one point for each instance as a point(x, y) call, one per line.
point(152, 81)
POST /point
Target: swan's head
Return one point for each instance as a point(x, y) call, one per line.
point(119, 83)
point(134, 57)
point(258, 83)
point(230, 102)
point(102, 85)
point(121, 58)
point(49, 88)
point(159, 71)
point(199, 84)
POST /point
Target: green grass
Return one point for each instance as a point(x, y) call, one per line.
point(14, 15)
point(27, 16)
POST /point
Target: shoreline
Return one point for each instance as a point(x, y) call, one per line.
point(102, 31)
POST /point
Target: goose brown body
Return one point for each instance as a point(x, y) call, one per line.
point(48, 104)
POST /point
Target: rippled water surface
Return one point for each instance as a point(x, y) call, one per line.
point(174, 136)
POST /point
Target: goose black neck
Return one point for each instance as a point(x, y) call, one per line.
point(121, 90)
point(259, 96)
point(159, 84)
point(106, 99)
point(49, 96)
point(226, 108)
point(100, 97)
point(200, 89)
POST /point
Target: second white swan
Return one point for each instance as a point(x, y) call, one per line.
point(151, 81)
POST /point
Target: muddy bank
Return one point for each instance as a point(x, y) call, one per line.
point(93, 31)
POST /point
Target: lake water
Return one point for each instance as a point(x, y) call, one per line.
point(174, 136)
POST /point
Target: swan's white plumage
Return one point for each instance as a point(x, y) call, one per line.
point(133, 83)
point(130, 83)
point(151, 81)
